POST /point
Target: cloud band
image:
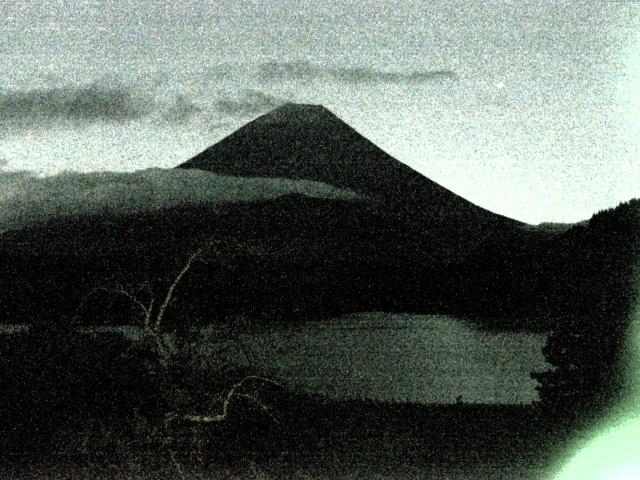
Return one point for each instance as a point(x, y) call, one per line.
point(302, 70)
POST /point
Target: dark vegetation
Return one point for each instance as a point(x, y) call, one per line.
point(87, 400)
point(283, 259)
point(589, 341)
point(60, 387)
point(54, 380)
point(296, 258)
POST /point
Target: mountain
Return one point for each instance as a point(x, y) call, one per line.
point(308, 142)
point(301, 218)
point(308, 218)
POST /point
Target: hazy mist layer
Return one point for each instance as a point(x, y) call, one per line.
point(26, 199)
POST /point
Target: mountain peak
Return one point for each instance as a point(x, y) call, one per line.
point(301, 107)
point(296, 113)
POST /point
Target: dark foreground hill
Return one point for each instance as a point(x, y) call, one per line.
point(290, 257)
point(295, 257)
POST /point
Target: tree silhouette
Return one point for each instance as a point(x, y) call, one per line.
point(189, 393)
point(587, 348)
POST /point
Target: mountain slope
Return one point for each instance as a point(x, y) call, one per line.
point(309, 142)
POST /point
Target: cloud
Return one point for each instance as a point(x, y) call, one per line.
point(76, 103)
point(27, 199)
point(302, 70)
point(249, 102)
point(180, 110)
point(12, 182)
point(87, 104)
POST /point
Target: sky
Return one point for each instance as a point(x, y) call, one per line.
point(528, 109)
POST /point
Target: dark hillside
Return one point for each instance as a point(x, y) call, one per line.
point(293, 256)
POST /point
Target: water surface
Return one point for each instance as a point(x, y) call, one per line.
point(393, 357)
point(416, 358)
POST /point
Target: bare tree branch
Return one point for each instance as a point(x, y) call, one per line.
point(170, 349)
point(169, 295)
point(162, 351)
point(231, 394)
point(262, 406)
point(147, 318)
point(177, 465)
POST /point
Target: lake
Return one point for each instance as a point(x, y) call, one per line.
point(394, 357)
point(399, 357)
